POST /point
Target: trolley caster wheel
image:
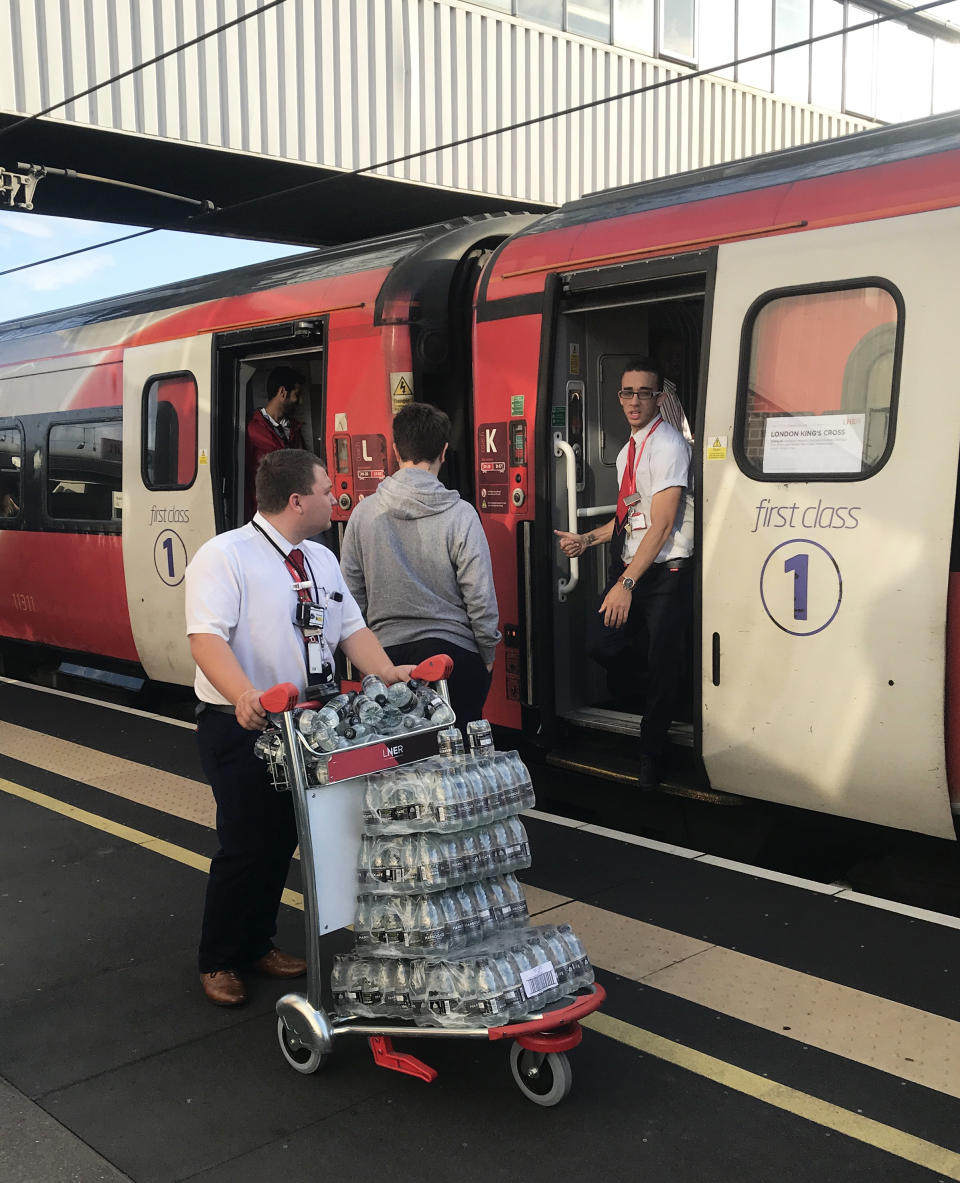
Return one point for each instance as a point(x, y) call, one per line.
point(300, 1058)
point(544, 1078)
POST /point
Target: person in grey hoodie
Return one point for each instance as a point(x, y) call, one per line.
point(417, 562)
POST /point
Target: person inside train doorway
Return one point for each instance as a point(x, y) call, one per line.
point(651, 536)
point(272, 427)
point(416, 559)
point(242, 599)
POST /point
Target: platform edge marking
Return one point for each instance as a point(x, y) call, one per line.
point(823, 1113)
point(98, 702)
point(169, 850)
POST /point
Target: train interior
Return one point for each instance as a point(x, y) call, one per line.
point(243, 367)
point(597, 333)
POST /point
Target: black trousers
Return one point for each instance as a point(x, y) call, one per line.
point(659, 618)
point(469, 683)
point(258, 835)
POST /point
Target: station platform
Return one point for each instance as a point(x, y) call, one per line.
point(757, 1027)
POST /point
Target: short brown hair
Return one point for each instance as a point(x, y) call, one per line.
point(420, 431)
point(282, 473)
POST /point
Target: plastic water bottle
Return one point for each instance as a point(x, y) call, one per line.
point(444, 983)
point(581, 971)
point(513, 999)
point(545, 984)
point(483, 907)
point(403, 698)
point(500, 794)
point(434, 861)
point(559, 957)
point(456, 935)
point(388, 926)
point(521, 781)
point(518, 845)
point(399, 999)
point(369, 712)
point(514, 901)
point(431, 923)
point(375, 689)
point(391, 720)
point(469, 915)
point(486, 1001)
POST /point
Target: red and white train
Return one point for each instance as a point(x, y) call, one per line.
point(803, 305)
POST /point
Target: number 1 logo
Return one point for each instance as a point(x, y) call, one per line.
point(806, 603)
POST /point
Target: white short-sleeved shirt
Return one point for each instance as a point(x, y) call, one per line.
point(665, 463)
point(238, 588)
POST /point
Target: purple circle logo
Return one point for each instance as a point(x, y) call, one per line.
point(801, 587)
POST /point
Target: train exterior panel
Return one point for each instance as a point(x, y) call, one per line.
point(798, 307)
point(800, 302)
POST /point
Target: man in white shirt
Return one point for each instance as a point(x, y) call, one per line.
point(243, 589)
point(652, 544)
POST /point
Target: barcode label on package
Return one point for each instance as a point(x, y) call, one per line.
point(538, 979)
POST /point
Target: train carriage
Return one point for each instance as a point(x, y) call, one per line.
point(800, 306)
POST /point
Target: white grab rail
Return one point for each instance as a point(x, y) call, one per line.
point(562, 449)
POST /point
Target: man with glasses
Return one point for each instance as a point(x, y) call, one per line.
point(651, 536)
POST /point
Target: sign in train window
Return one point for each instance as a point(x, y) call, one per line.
point(818, 379)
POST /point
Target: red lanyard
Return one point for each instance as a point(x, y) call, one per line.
point(632, 482)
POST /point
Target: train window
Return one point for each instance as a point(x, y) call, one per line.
point(169, 443)
point(84, 470)
point(818, 379)
point(11, 470)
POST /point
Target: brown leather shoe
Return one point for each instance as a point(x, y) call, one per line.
point(224, 987)
point(279, 965)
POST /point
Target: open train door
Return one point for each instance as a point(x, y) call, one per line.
point(829, 463)
point(168, 496)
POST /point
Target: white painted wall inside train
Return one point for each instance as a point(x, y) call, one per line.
point(350, 83)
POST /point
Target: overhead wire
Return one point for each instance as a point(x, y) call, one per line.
point(463, 141)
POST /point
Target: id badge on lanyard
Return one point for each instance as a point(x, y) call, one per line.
point(636, 520)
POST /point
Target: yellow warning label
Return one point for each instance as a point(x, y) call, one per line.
point(717, 447)
point(203, 456)
point(401, 390)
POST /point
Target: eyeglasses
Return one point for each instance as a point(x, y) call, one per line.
point(627, 395)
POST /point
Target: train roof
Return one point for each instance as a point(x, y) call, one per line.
point(864, 149)
point(324, 263)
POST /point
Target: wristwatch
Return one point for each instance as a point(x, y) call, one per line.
point(628, 583)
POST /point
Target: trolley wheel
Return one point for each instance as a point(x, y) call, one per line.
point(544, 1078)
point(300, 1058)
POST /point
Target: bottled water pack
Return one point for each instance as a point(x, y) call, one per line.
point(441, 922)
point(449, 792)
point(494, 983)
point(431, 861)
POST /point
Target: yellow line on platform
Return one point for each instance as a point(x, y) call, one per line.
point(854, 1125)
point(178, 854)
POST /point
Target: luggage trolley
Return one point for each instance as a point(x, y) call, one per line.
point(329, 819)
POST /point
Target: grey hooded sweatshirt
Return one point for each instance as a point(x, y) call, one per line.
point(417, 562)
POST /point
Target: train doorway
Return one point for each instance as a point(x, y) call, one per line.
point(245, 361)
point(607, 317)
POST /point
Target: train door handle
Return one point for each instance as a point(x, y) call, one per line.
point(562, 450)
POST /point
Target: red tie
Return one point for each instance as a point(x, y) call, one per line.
point(295, 557)
point(628, 482)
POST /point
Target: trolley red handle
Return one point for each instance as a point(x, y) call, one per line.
point(280, 698)
point(284, 696)
point(433, 669)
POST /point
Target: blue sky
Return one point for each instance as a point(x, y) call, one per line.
point(145, 262)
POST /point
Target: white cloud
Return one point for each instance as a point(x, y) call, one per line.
point(28, 224)
point(53, 276)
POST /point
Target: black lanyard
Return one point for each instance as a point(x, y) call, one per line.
point(303, 593)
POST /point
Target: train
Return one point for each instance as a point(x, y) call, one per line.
point(800, 305)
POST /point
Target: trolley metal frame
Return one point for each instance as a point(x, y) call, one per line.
point(306, 1032)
